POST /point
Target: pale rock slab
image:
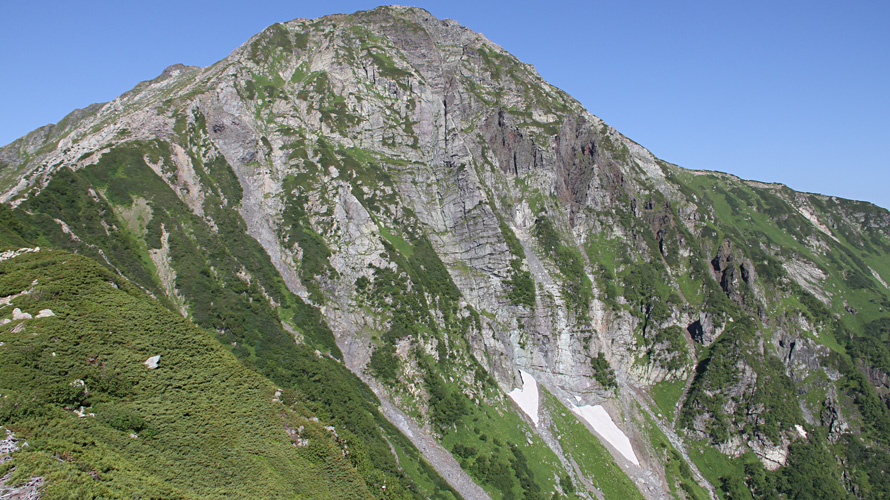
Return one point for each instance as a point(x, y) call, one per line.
point(152, 362)
point(17, 314)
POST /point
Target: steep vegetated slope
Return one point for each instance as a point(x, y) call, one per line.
point(122, 398)
point(391, 216)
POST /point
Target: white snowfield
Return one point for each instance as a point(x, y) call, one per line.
point(527, 399)
point(600, 420)
point(527, 396)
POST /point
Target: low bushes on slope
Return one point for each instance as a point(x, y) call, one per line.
point(200, 425)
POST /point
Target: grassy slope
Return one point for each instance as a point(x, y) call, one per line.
point(752, 218)
point(499, 450)
point(678, 473)
point(763, 225)
point(207, 426)
point(208, 264)
point(592, 457)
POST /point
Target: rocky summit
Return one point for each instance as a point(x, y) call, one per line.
point(380, 257)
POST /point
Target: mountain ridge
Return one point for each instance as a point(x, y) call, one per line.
point(403, 195)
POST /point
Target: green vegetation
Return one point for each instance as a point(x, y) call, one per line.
point(269, 41)
point(498, 449)
point(230, 288)
point(11, 230)
point(719, 373)
point(522, 291)
point(669, 349)
point(447, 403)
point(811, 471)
point(398, 242)
point(715, 466)
point(387, 66)
point(678, 472)
point(667, 395)
point(868, 466)
point(602, 372)
point(198, 426)
point(578, 288)
point(384, 363)
point(646, 290)
point(584, 448)
point(603, 256)
point(874, 411)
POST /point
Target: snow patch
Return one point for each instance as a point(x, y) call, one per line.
point(527, 396)
point(800, 431)
point(152, 362)
point(602, 423)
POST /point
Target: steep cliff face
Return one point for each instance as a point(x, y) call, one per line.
point(406, 197)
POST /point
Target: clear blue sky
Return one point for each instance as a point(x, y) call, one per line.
point(789, 91)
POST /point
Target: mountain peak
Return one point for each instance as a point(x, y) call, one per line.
point(394, 195)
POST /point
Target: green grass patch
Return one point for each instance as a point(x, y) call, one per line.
point(397, 241)
point(585, 449)
point(714, 465)
point(667, 396)
point(501, 452)
point(204, 425)
point(678, 472)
